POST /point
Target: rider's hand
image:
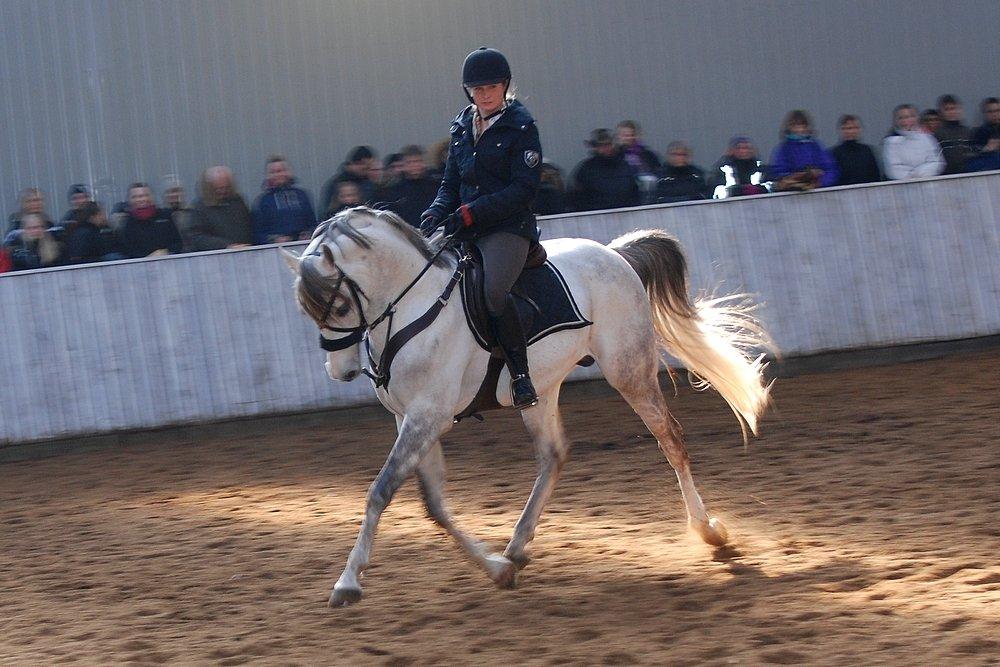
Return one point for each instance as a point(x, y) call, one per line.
point(428, 223)
point(455, 228)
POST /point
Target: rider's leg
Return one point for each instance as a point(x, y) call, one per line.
point(503, 259)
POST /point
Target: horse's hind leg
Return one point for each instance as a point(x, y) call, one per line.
point(551, 450)
point(634, 375)
point(431, 474)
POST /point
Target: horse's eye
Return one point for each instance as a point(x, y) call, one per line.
point(343, 310)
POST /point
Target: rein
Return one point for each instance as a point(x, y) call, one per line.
point(378, 371)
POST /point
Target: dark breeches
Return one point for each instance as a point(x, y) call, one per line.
point(503, 258)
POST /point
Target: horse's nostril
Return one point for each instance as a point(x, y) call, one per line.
point(350, 376)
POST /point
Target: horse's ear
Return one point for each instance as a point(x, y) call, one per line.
point(328, 257)
point(291, 259)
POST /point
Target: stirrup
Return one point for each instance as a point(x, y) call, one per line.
point(526, 397)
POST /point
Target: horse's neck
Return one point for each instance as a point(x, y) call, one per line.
point(414, 304)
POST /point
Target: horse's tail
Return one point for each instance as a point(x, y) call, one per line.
point(716, 339)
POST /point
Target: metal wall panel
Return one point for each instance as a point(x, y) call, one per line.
point(111, 91)
point(144, 343)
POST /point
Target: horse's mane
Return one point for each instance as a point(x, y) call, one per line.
point(314, 289)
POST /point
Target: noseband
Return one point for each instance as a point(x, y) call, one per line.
point(378, 371)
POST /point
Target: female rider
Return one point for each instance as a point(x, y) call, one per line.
point(489, 184)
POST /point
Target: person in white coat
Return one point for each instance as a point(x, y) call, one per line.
point(909, 152)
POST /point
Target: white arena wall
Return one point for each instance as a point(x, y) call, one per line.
point(210, 336)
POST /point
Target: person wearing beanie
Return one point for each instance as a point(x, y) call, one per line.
point(78, 195)
point(908, 151)
point(855, 160)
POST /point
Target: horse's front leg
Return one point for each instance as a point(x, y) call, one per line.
point(417, 434)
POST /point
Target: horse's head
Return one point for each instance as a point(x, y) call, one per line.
point(329, 304)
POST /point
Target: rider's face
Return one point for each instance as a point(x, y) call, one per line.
point(487, 98)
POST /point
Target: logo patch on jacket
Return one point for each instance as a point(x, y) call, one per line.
point(531, 158)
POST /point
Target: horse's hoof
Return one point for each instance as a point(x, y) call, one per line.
point(344, 596)
point(520, 560)
point(502, 571)
point(712, 532)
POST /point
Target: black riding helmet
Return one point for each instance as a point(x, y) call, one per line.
point(482, 67)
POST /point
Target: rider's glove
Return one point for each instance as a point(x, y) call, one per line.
point(428, 223)
point(458, 226)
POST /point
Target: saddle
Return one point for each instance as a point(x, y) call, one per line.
point(543, 301)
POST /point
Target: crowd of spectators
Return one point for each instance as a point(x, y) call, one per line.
point(621, 171)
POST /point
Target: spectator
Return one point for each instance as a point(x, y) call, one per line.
point(985, 141)
point(855, 161)
point(739, 172)
point(415, 190)
point(930, 121)
point(551, 196)
point(89, 237)
point(604, 180)
point(30, 202)
point(147, 231)
point(346, 195)
point(282, 212)
point(628, 136)
point(800, 162)
point(681, 180)
point(220, 217)
point(175, 202)
point(357, 169)
point(392, 171)
point(953, 136)
point(78, 196)
point(908, 151)
point(35, 247)
point(437, 157)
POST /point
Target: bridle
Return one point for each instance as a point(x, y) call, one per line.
point(378, 370)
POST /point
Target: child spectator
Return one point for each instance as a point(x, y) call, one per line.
point(35, 247)
point(800, 162)
point(89, 238)
point(985, 141)
point(415, 190)
point(282, 212)
point(346, 195)
point(78, 196)
point(681, 181)
point(604, 180)
point(855, 161)
point(739, 172)
point(952, 135)
point(908, 151)
point(357, 168)
point(930, 121)
point(147, 231)
point(220, 217)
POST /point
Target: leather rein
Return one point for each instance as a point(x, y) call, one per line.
point(379, 369)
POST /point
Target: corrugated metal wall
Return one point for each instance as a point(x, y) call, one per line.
point(145, 343)
point(110, 91)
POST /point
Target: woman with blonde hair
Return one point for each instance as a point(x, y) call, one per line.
point(908, 151)
point(35, 247)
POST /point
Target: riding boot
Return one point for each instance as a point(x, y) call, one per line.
point(510, 336)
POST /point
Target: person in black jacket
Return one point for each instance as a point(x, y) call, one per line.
point(604, 180)
point(856, 161)
point(490, 180)
point(147, 231)
point(34, 246)
point(681, 180)
point(414, 190)
point(89, 238)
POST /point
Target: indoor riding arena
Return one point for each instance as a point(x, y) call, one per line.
point(861, 520)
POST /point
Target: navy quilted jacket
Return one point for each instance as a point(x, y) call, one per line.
point(494, 180)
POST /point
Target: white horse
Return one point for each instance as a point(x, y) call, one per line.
point(633, 291)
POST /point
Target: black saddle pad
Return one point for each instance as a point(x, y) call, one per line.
point(543, 300)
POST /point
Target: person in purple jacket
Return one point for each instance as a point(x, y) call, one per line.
point(800, 162)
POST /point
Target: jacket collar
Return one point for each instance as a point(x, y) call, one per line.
point(515, 115)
